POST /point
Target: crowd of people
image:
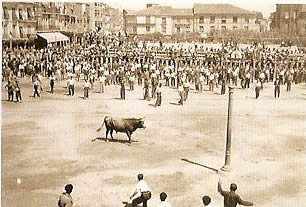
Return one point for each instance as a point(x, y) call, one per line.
point(143, 194)
point(114, 59)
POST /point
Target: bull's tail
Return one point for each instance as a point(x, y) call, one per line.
point(102, 124)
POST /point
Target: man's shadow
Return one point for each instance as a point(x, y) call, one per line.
point(122, 141)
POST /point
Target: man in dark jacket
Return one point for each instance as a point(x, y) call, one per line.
point(231, 199)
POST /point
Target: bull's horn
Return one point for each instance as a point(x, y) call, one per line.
point(143, 117)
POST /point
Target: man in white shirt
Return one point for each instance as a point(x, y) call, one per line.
point(163, 201)
point(142, 193)
point(102, 79)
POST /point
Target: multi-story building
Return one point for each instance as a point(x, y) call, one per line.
point(155, 18)
point(202, 18)
point(289, 19)
point(223, 17)
point(18, 21)
point(24, 20)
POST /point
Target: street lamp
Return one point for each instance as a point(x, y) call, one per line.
point(226, 166)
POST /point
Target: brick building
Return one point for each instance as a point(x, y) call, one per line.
point(289, 19)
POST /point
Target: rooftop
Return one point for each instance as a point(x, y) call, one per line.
point(164, 11)
point(219, 9)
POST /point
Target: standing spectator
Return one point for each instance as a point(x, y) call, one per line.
point(146, 89)
point(159, 96)
point(163, 202)
point(132, 80)
point(18, 93)
point(223, 84)
point(10, 91)
point(65, 200)
point(181, 93)
point(289, 82)
point(122, 89)
point(211, 82)
point(86, 89)
point(142, 192)
point(36, 85)
point(52, 81)
point(276, 88)
point(102, 80)
point(231, 199)
point(257, 88)
point(186, 90)
point(71, 86)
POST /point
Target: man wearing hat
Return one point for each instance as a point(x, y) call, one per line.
point(231, 199)
point(142, 193)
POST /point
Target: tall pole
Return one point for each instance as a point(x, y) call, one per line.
point(226, 166)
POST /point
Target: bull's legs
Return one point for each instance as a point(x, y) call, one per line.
point(111, 133)
point(129, 134)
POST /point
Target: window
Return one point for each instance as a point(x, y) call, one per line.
point(134, 29)
point(5, 13)
point(148, 28)
point(286, 15)
point(29, 13)
point(201, 20)
point(235, 19)
point(21, 32)
point(223, 29)
point(14, 13)
point(164, 28)
point(294, 15)
point(164, 20)
point(201, 29)
point(212, 19)
point(223, 20)
point(148, 20)
point(14, 30)
point(20, 14)
point(178, 20)
point(246, 20)
point(246, 27)
point(188, 20)
point(178, 29)
point(212, 28)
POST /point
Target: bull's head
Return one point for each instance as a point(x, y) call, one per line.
point(141, 123)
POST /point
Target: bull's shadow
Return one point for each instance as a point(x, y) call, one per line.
point(122, 141)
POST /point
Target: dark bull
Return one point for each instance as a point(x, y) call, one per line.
point(127, 126)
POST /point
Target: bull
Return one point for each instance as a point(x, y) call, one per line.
point(127, 126)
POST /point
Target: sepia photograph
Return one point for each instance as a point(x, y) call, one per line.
point(129, 103)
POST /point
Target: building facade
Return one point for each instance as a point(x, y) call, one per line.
point(23, 20)
point(289, 19)
point(18, 21)
point(223, 17)
point(202, 18)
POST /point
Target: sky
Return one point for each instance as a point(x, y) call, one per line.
point(266, 7)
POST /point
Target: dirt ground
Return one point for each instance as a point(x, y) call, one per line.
point(52, 141)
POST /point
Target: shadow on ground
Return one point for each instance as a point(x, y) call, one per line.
point(113, 140)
